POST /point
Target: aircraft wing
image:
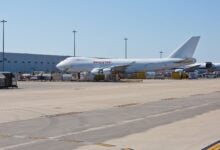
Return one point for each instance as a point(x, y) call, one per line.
point(192, 68)
point(121, 68)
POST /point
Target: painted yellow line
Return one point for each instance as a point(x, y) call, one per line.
point(215, 147)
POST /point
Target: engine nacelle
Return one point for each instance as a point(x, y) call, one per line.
point(107, 71)
point(97, 71)
point(209, 65)
point(179, 70)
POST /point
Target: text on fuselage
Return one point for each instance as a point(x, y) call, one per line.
point(102, 62)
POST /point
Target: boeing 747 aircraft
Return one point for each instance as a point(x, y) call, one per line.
point(180, 57)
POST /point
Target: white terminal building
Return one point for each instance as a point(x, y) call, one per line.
point(28, 63)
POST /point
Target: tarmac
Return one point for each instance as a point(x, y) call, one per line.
point(154, 114)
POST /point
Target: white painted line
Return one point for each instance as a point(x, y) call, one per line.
point(100, 128)
point(19, 136)
point(178, 110)
point(19, 145)
point(126, 122)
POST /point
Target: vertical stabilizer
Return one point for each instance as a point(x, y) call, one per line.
point(187, 49)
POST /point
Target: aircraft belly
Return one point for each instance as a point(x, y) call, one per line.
point(135, 68)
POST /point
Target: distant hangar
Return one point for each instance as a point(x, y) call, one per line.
point(27, 63)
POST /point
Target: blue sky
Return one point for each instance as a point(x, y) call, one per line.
point(45, 26)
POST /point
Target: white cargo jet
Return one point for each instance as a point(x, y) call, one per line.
point(207, 66)
point(180, 57)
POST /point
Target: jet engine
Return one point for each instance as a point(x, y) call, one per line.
point(102, 74)
point(100, 71)
point(107, 71)
point(209, 65)
point(97, 71)
point(179, 70)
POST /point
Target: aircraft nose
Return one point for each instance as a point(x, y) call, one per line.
point(61, 66)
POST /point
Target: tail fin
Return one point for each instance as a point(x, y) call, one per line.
point(187, 49)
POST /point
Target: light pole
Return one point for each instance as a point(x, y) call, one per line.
point(126, 39)
point(74, 36)
point(3, 45)
point(161, 53)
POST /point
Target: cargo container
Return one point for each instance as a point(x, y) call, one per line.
point(2, 81)
point(7, 80)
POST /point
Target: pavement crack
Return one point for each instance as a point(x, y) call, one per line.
point(127, 105)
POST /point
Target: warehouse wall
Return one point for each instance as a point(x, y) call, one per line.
point(27, 63)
